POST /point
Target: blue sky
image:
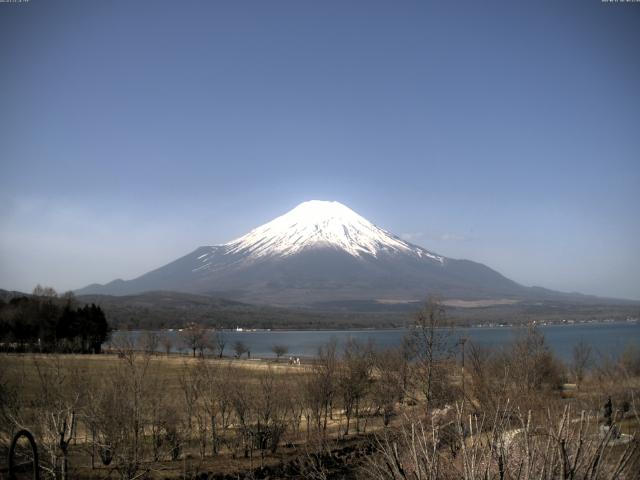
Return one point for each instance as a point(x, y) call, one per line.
point(502, 132)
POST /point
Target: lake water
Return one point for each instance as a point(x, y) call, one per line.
point(604, 338)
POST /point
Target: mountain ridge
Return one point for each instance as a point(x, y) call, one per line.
point(322, 252)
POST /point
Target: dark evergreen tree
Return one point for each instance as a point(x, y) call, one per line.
point(98, 330)
point(44, 323)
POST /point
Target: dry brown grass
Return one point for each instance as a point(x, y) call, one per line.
point(23, 371)
point(21, 368)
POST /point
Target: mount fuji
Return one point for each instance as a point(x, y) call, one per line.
point(320, 252)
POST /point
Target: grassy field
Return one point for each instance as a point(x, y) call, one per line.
point(166, 375)
point(23, 368)
point(220, 414)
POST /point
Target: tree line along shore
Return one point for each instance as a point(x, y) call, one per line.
point(46, 322)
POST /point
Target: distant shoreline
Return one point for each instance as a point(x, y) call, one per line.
point(395, 329)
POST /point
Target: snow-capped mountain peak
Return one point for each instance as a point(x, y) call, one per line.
point(318, 252)
point(321, 223)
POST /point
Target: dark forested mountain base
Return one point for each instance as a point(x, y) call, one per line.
point(157, 310)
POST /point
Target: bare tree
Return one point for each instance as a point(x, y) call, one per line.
point(221, 342)
point(191, 388)
point(199, 409)
point(240, 348)
point(44, 292)
point(167, 343)
point(194, 337)
point(149, 342)
point(531, 363)
point(215, 396)
point(293, 394)
point(9, 409)
point(242, 395)
point(279, 350)
point(524, 372)
point(488, 381)
point(581, 360)
point(630, 359)
point(270, 422)
point(431, 340)
point(321, 387)
point(354, 379)
point(260, 413)
point(162, 421)
point(119, 414)
point(391, 381)
point(507, 445)
point(206, 343)
point(69, 299)
point(59, 400)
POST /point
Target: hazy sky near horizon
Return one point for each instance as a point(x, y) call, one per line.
point(132, 132)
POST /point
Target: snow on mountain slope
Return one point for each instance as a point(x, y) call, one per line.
point(321, 223)
point(319, 251)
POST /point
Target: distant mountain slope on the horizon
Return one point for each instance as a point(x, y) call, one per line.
point(322, 252)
